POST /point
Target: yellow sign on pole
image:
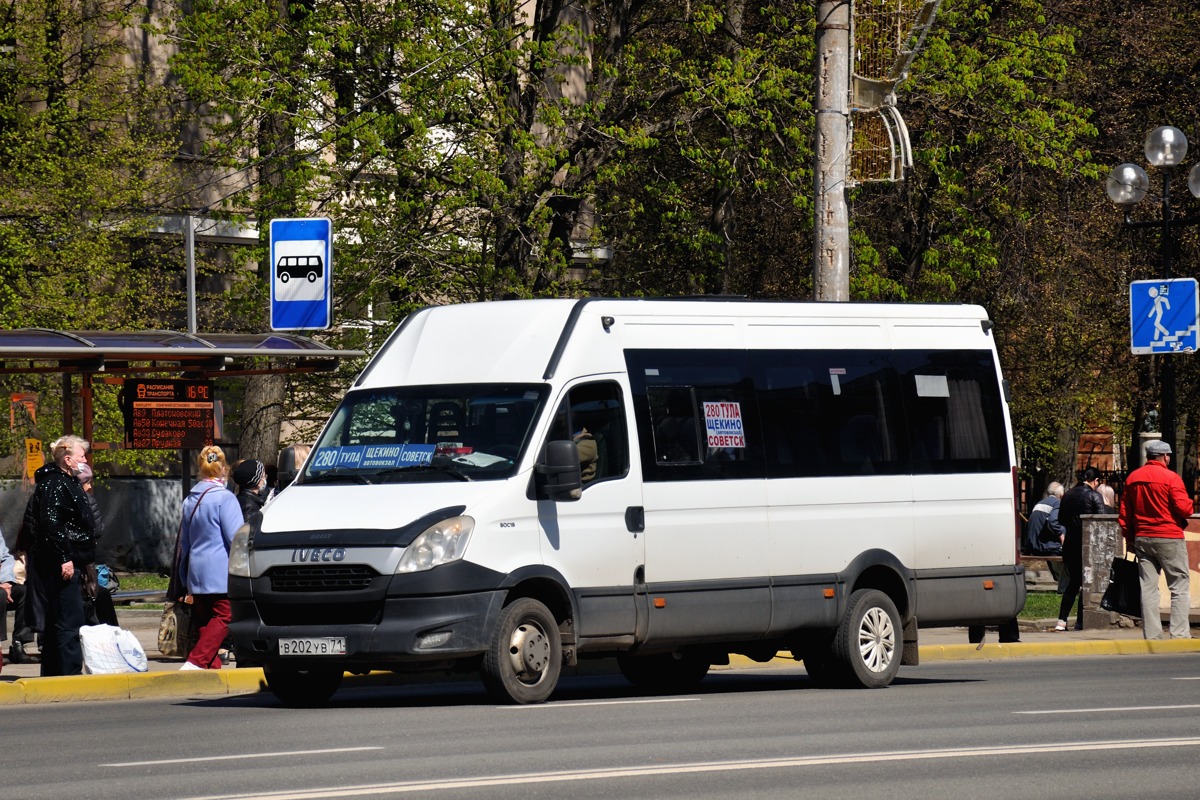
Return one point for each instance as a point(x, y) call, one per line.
point(34, 458)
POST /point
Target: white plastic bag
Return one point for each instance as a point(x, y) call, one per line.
point(108, 650)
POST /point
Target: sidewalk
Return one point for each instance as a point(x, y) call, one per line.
point(20, 684)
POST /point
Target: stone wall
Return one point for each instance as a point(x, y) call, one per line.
point(141, 520)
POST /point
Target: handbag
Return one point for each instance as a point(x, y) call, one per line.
point(1124, 592)
point(175, 634)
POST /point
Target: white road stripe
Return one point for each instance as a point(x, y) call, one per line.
point(491, 781)
point(1111, 710)
point(238, 756)
point(569, 704)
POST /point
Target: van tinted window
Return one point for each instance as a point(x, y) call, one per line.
point(704, 414)
point(955, 412)
point(696, 414)
point(831, 412)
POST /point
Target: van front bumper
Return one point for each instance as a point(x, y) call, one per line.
point(387, 634)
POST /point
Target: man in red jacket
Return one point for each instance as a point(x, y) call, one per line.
point(1154, 510)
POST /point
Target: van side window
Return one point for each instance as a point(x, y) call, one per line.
point(955, 413)
point(676, 429)
point(831, 413)
point(696, 412)
point(593, 416)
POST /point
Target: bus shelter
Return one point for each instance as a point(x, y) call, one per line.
point(112, 355)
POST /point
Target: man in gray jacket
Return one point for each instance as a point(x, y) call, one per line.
point(1044, 534)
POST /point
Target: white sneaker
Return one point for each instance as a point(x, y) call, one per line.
point(189, 665)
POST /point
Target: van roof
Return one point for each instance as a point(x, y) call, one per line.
point(530, 341)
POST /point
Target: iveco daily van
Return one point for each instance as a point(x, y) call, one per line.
point(509, 487)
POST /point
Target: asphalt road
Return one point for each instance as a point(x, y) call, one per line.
point(1112, 727)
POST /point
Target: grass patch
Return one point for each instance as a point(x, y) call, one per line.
point(142, 582)
point(1041, 605)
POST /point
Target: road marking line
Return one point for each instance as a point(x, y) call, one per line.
point(1112, 710)
point(569, 704)
point(280, 754)
point(491, 781)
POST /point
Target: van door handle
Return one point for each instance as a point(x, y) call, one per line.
point(635, 519)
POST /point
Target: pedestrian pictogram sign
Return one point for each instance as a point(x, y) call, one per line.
point(301, 274)
point(1163, 316)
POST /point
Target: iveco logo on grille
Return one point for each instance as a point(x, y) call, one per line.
point(318, 554)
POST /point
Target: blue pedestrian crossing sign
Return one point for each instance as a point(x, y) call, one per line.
point(301, 274)
point(1163, 316)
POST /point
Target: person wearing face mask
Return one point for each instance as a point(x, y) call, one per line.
point(250, 476)
point(61, 530)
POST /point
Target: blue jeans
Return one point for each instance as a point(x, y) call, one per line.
point(1168, 556)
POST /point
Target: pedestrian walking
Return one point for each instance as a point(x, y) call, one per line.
point(1155, 507)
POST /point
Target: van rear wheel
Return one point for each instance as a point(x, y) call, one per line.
point(664, 672)
point(524, 657)
point(867, 645)
point(303, 688)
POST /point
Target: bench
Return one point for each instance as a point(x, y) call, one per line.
point(126, 596)
point(1054, 565)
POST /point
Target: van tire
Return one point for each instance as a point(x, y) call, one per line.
point(303, 688)
point(312, 277)
point(284, 277)
point(867, 646)
point(524, 658)
point(820, 665)
point(664, 672)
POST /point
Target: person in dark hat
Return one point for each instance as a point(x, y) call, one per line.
point(1155, 507)
point(250, 476)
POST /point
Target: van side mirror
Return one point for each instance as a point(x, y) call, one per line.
point(291, 459)
point(558, 472)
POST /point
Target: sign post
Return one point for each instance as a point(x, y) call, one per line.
point(1163, 316)
point(301, 274)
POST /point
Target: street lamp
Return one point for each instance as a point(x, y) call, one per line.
point(1166, 147)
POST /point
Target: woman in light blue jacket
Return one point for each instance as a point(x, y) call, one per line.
point(211, 516)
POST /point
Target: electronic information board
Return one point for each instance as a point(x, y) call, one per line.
point(168, 415)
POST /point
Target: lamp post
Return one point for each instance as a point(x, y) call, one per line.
point(1166, 147)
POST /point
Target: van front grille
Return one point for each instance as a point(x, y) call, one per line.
point(332, 578)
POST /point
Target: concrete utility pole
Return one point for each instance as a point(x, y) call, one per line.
point(831, 220)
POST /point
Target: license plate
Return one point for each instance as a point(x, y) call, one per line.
point(315, 646)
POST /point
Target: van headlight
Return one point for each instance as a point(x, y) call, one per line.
point(239, 552)
point(440, 544)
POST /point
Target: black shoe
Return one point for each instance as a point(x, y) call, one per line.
point(17, 654)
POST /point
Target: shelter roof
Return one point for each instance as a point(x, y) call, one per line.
point(198, 354)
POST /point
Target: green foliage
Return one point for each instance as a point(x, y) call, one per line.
point(471, 151)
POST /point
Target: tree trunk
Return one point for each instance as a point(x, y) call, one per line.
point(263, 408)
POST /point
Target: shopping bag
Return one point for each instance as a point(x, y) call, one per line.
point(175, 634)
point(109, 650)
point(1124, 592)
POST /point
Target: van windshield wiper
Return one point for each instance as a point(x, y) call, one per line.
point(448, 469)
point(338, 476)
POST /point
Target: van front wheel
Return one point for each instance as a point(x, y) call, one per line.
point(867, 646)
point(524, 657)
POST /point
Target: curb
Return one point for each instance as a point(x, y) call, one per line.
point(226, 682)
point(131, 686)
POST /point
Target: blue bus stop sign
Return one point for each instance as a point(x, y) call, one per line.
point(301, 274)
point(1163, 316)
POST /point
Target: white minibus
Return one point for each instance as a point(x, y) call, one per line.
point(509, 487)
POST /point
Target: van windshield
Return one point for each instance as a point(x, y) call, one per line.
point(427, 433)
